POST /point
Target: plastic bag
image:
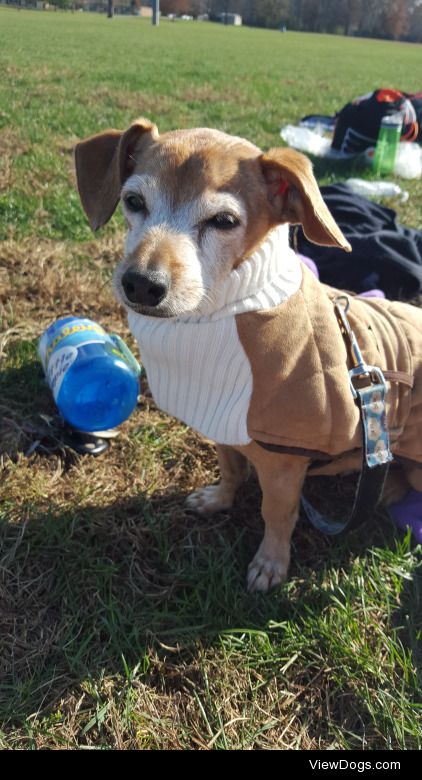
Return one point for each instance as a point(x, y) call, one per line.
point(305, 140)
point(377, 189)
point(408, 162)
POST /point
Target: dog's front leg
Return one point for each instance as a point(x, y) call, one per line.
point(281, 478)
point(234, 469)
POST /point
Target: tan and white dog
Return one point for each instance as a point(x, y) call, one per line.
point(238, 339)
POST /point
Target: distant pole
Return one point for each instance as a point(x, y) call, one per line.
point(156, 12)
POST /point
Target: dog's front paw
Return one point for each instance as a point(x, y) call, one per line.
point(265, 573)
point(208, 500)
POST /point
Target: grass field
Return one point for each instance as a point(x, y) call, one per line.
point(124, 621)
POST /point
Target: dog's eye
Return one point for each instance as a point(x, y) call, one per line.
point(223, 221)
point(134, 202)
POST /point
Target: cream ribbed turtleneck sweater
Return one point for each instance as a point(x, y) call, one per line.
point(196, 366)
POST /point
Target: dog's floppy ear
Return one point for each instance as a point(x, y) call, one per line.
point(294, 197)
point(103, 162)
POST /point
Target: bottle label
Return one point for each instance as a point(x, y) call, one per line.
point(58, 364)
point(77, 332)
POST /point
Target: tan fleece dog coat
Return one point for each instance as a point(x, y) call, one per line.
point(301, 395)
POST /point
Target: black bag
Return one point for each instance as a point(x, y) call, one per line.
point(357, 124)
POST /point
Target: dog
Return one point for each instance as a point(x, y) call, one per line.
point(239, 340)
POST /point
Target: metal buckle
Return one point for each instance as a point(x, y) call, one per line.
point(360, 370)
point(369, 395)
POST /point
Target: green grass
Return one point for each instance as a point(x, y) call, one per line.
point(68, 76)
point(125, 621)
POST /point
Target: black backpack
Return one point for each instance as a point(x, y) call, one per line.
point(358, 123)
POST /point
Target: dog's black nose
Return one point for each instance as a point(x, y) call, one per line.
point(148, 288)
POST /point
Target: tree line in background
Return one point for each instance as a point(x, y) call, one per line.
point(396, 19)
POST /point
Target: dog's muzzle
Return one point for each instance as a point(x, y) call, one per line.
point(146, 288)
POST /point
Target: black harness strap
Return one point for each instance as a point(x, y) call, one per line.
point(369, 487)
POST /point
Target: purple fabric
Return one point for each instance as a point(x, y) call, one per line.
point(310, 263)
point(407, 513)
point(372, 294)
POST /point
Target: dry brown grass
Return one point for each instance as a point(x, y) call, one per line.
point(42, 280)
point(138, 103)
point(11, 146)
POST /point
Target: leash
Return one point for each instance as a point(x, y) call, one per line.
point(368, 388)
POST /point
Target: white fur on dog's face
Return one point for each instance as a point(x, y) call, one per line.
point(186, 181)
point(180, 239)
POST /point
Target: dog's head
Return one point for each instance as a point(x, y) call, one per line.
point(197, 203)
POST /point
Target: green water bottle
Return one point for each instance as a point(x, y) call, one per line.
point(387, 143)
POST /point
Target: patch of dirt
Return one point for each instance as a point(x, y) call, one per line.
point(201, 92)
point(138, 103)
point(43, 280)
point(11, 147)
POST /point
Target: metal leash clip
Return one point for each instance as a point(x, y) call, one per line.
point(360, 369)
point(370, 396)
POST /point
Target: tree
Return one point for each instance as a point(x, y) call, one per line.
point(178, 7)
point(415, 21)
point(396, 18)
point(352, 10)
point(265, 13)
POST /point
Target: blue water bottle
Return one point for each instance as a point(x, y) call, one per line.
point(93, 376)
